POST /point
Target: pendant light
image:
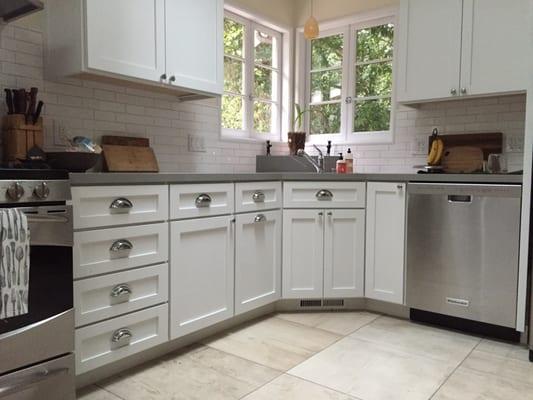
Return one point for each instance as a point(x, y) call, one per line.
point(311, 29)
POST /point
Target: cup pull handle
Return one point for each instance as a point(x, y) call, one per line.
point(324, 195)
point(120, 245)
point(260, 218)
point(121, 290)
point(258, 197)
point(122, 335)
point(203, 201)
point(121, 204)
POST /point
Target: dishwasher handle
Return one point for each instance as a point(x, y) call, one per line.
point(461, 199)
point(461, 190)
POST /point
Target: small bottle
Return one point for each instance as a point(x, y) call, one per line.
point(349, 162)
point(341, 165)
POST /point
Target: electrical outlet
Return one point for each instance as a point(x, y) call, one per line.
point(514, 144)
point(419, 146)
point(196, 144)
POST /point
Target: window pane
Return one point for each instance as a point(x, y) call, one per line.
point(233, 73)
point(325, 118)
point(326, 86)
point(233, 38)
point(265, 83)
point(326, 52)
point(372, 115)
point(375, 43)
point(263, 117)
point(373, 79)
point(232, 112)
point(265, 47)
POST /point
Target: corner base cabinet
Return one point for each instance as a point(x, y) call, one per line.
point(385, 241)
point(201, 273)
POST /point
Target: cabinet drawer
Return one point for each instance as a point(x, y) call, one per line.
point(324, 194)
point(119, 205)
point(256, 196)
point(108, 341)
point(193, 201)
point(108, 296)
point(109, 250)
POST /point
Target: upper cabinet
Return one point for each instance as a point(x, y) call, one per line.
point(171, 44)
point(455, 48)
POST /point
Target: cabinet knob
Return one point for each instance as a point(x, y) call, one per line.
point(399, 187)
point(453, 92)
point(163, 77)
point(330, 214)
point(121, 290)
point(122, 204)
point(258, 197)
point(172, 79)
point(463, 90)
point(15, 191)
point(122, 336)
point(203, 201)
point(260, 218)
point(321, 214)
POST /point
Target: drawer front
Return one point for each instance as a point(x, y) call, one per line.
point(193, 201)
point(109, 341)
point(101, 206)
point(257, 196)
point(324, 194)
point(108, 296)
point(116, 249)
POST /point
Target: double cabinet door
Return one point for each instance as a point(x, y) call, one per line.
point(323, 253)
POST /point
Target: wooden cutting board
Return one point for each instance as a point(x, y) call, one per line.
point(125, 141)
point(462, 159)
point(129, 159)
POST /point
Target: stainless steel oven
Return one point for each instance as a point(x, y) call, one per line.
point(36, 349)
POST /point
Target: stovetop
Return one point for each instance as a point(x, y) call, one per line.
point(32, 174)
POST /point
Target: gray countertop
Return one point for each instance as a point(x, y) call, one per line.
point(89, 179)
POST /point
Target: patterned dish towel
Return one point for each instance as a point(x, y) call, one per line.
point(14, 263)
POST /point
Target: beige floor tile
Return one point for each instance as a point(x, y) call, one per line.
point(426, 341)
point(372, 371)
point(467, 384)
point(342, 323)
point(95, 393)
point(292, 388)
point(509, 350)
point(273, 342)
point(199, 374)
point(508, 368)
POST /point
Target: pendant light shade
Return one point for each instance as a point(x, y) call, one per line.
point(311, 29)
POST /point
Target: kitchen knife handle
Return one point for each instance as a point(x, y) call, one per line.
point(38, 112)
point(9, 100)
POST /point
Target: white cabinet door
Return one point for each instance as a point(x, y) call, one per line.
point(495, 39)
point(385, 241)
point(430, 49)
point(194, 44)
point(344, 253)
point(257, 260)
point(126, 37)
point(303, 254)
point(201, 273)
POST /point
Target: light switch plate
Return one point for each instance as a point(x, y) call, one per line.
point(514, 144)
point(196, 144)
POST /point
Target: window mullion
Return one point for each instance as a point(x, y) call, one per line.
point(249, 76)
point(346, 81)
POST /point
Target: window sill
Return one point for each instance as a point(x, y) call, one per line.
point(249, 140)
point(363, 138)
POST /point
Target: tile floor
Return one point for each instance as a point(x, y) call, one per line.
point(330, 356)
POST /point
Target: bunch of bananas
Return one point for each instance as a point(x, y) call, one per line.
point(437, 150)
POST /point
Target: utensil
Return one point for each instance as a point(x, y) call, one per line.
point(38, 112)
point(5, 305)
point(8, 259)
point(9, 101)
point(19, 101)
point(26, 267)
point(9, 230)
point(31, 100)
point(20, 255)
point(13, 271)
point(15, 228)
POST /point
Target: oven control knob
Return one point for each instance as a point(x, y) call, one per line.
point(15, 191)
point(42, 191)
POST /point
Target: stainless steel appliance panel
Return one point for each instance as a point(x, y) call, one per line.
point(462, 250)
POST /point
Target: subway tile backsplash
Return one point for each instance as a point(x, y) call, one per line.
point(90, 108)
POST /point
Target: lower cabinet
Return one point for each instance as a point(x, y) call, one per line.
point(201, 273)
point(257, 260)
point(385, 241)
point(323, 253)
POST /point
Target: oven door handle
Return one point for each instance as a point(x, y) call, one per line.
point(31, 380)
point(43, 218)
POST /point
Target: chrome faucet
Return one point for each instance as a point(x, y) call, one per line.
point(319, 166)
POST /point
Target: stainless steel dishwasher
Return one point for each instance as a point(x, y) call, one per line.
point(462, 250)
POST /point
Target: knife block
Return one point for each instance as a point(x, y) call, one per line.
point(18, 137)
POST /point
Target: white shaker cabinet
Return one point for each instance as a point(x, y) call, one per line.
point(257, 260)
point(323, 253)
point(201, 273)
point(194, 44)
point(344, 253)
point(303, 254)
point(429, 49)
point(385, 241)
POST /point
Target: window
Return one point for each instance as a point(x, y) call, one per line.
point(251, 104)
point(349, 82)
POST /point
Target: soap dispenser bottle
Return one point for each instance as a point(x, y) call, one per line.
point(349, 162)
point(341, 165)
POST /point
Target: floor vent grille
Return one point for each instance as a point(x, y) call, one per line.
point(333, 303)
point(310, 303)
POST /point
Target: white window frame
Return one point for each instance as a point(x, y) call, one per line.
point(249, 133)
point(348, 26)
